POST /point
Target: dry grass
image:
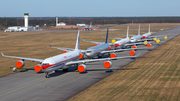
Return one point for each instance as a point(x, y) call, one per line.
point(36, 44)
point(155, 76)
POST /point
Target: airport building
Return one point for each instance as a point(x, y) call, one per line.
point(25, 28)
point(80, 24)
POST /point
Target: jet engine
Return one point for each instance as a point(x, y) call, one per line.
point(81, 56)
point(91, 28)
point(109, 48)
point(81, 68)
point(113, 55)
point(95, 44)
point(38, 68)
point(107, 64)
point(134, 47)
point(65, 51)
point(132, 53)
point(149, 45)
point(20, 64)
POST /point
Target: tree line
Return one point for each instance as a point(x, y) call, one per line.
point(51, 21)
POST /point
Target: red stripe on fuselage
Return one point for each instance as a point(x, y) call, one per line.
point(48, 66)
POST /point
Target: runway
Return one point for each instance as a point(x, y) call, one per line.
point(30, 86)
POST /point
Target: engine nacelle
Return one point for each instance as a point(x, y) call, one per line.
point(165, 37)
point(107, 64)
point(95, 44)
point(113, 55)
point(145, 42)
point(81, 55)
point(113, 41)
point(20, 64)
point(109, 48)
point(91, 28)
point(83, 29)
point(134, 47)
point(97, 28)
point(81, 68)
point(65, 51)
point(38, 68)
point(132, 53)
point(149, 45)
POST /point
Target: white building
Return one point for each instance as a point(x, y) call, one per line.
point(80, 24)
point(61, 24)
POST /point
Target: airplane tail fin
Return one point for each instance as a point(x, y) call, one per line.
point(127, 32)
point(91, 24)
point(139, 30)
point(107, 36)
point(149, 29)
point(77, 41)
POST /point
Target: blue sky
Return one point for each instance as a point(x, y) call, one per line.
point(89, 8)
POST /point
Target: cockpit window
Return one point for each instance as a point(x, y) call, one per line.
point(45, 64)
point(88, 51)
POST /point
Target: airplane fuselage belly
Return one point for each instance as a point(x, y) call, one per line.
point(96, 50)
point(59, 61)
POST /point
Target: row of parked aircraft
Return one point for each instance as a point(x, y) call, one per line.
point(74, 57)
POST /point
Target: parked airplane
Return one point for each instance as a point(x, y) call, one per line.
point(63, 61)
point(89, 27)
point(148, 36)
point(99, 50)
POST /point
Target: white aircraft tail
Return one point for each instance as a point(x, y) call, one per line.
point(77, 41)
point(149, 29)
point(90, 24)
point(139, 30)
point(127, 32)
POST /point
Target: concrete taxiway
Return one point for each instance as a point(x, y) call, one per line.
point(30, 86)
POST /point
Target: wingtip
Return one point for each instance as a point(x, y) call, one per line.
point(50, 45)
point(2, 53)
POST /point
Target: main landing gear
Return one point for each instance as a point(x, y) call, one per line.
point(47, 75)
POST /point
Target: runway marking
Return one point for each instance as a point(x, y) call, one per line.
point(23, 87)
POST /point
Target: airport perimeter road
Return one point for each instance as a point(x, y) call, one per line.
point(30, 86)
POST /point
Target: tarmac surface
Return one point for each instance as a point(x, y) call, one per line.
point(31, 86)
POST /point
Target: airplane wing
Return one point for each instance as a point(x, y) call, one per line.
point(23, 58)
point(60, 48)
point(113, 38)
point(125, 35)
point(131, 44)
point(96, 60)
point(119, 50)
point(94, 42)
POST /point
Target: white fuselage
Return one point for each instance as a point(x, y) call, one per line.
point(121, 43)
point(59, 61)
point(96, 50)
point(146, 35)
point(135, 38)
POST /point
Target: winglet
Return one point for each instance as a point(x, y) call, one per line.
point(2, 53)
point(50, 45)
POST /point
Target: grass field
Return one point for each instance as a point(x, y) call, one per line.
point(155, 76)
point(36, 44)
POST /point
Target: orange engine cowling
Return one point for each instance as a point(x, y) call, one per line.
point(113, 55)
point(20, 64)
point(132, 53)
point(82, 68)
point(83, 29)
point(91, 28)
point(97, 28)
point(107, 64)
point(95, 44)
point(109, 48)
point(65, 52)
point(38, 68)
point(134, 47)
point(81, 56)
point(149, 45)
